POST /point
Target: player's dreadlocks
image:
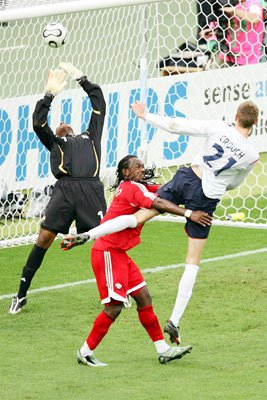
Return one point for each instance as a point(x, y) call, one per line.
point(149, 174)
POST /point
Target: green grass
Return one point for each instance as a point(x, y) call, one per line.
point(225, 322)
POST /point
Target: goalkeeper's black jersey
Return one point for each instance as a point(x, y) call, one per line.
point(79, 156)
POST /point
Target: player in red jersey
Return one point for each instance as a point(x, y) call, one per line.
point(117, 275)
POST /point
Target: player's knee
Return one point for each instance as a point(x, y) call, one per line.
point(45, 239)
point(147, 300)
point(142, 297)
point(113, 311)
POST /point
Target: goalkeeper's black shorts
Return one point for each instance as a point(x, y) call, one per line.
point(75, 199)
point(186, 189)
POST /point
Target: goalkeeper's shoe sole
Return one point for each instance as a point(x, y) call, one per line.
point(91, 361)
point(17, 304)
point(173, 332)
point(174, 353)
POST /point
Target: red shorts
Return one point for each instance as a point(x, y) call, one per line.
point(116, 275)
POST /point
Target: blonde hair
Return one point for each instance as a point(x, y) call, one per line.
point(247, 114)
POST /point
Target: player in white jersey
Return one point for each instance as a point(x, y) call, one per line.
point(226, 159)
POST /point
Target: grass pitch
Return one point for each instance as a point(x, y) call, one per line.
point(225, 322)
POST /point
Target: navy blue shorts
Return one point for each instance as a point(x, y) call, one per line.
point(186, 189)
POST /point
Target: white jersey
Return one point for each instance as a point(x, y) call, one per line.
point(227, 156)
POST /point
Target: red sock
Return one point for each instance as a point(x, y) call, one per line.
point(99, 330)
point(150, 322)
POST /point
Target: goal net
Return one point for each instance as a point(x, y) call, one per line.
point(148, 50)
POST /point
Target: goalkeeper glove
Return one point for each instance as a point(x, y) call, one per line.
point(55, 82)
point(73, 72)
point(72, 241)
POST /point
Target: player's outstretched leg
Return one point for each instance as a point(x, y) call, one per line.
point(174, 353)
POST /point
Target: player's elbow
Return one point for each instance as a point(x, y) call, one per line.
point(101, 108)
point(37, 125)
point(103, 104)
point(159, 205)
point(173, 126)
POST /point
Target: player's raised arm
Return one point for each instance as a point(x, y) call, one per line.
point(56, 81)
point(95, 94)
point(175, 125)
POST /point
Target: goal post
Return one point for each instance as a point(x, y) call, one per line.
point(42, 8)
point(131, 49)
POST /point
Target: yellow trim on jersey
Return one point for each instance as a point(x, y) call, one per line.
point(60, 167)
point(96, 112)
point(96, 159)
point(44, 124)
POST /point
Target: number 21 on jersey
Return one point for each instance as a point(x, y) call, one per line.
point(219, 154)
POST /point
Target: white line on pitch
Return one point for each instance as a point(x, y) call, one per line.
point(144, 271)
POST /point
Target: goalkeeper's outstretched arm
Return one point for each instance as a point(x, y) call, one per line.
point(97, 99)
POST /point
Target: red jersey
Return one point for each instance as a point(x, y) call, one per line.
point(129, 198)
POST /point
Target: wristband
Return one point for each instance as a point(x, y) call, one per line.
point(188, 213)
point(82, 79)
point(49, 95)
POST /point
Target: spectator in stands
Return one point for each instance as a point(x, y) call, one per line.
point(264, 48)
point(245, 33)
point(204, 10)
point(264, 45)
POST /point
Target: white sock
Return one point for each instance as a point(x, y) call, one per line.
point(85, 350)
point(161, 346)
point(185, 289)
point(113, 225)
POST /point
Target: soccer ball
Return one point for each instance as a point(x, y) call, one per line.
point(55, 34)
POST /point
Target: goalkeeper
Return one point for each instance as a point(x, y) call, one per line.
point(78, 194)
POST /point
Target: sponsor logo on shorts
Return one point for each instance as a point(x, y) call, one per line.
point(118, 286)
